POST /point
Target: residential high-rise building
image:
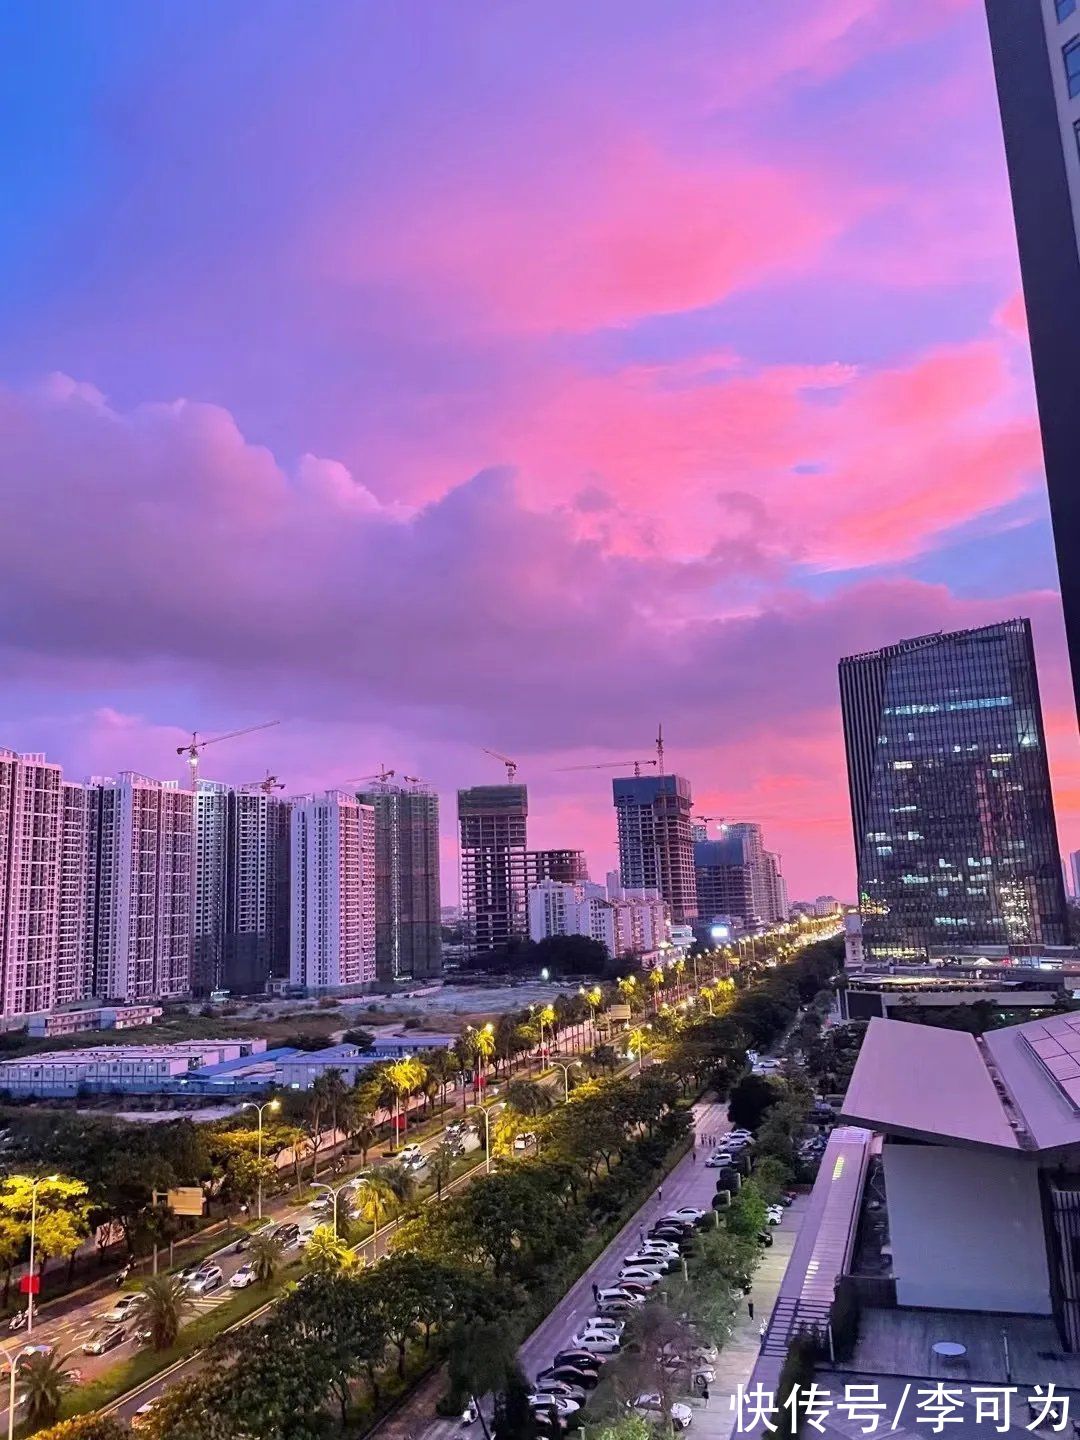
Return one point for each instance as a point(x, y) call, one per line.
point(951, 805)
point(569, 867)
point(1036, 49)
point(1074, 872)
point(493, 841)
point(725, 878)
point(408, 928)
point(241, 935)
point(78, 881)
point(332, 924)
point(31, 824)
point(142, 856)
point(626, 922)
point(775, 889)
point(655, 848)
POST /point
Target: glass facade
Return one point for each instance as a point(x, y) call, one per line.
point(953, 817)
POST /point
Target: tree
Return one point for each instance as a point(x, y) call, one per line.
point(527, 1097)
point(751, 1100)
point(376, 1199)
point(265, 1253)
point(404, 1077)
point(772, 1178)
point(326, 1253)
point(629, 990)
point(514, 1416)
point(43, 1381)
point(480, 1357)
point(86, 1427)
point(441, 1166)
point(164, 1304)
point(746, 1214)
point(362, 1039)
point(62, 1212)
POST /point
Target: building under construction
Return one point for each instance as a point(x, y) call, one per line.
point(408, 927)
point(656, 851)
point(492, 832)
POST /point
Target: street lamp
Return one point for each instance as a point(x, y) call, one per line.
point(487, 1111)
point(272, 1106)
point(34, 1184)
point(334, 1191)
point(565, 1068)
point(12, 1362)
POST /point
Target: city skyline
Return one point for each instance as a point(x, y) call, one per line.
point(357, 417)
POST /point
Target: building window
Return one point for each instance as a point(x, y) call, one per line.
point(1064, 8)
point(1072, 71)
point(1076, 132)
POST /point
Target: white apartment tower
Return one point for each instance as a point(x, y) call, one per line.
point(31, 819)
point(143, 838)
point(332, 930)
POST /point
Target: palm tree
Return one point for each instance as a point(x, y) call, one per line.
point(628, 989)
point(376, 1199)
point(264, 1256)
point(164, 1301)
point(404, 1076)
point(527, 1097)
point(656, 980)
point(401, 1182)
point(43, 1378)
point(326, 1253)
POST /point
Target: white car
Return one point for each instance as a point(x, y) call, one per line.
point(664, 1263)
point(206, 1280)
point(600, 1342)
point(715, 1161)
point(244, 1277)
point(544, 1400)
point(685, 1213)
point(524, 1140)
point(604, 1322)
point(124, 1308)
point(306, 1231)
point(661, 1247)
point(616, 1292)
point(647, 1274)
point(650, 1406)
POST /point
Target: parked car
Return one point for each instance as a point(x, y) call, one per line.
point(764, 1238)
point(660, 1247)
point(664, 1263)
point(123, 1308)
point(651, 1407)
point(561, 1404)
point(603, 1342)
point(571, 1355)
point(561, 1387)
point(142, 1414)
point(621, 1305)
point(638, 1287)
point(620, 1292)
point(649, 1274)
point(524, 1139)
point(601, 1322)
point(106, 1338)
point(685, 1212)
point(570, 1375)
point(244, 1277)
point(206, 1280)
point(716, 1160)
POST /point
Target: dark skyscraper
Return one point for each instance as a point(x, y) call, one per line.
point(951, 806)
point(492, 832)
point(725, 878)
point(408, 934)
point(1036, 47)
point(656, 851)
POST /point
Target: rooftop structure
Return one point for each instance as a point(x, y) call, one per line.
point(889, 991)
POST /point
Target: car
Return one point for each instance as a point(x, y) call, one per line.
point(245, 1240)
point(648, 1274)
point(123, 1308)
point(524, 1140)
point(764, 1238)
point(637, 1287)
point(561, 1404)
point(619, 1292)
point(701, 1376)
point(623, 1305)
point(103, 1339)
point(307, 1230)
point(664, 1263)
point(774, 1217)
point(601, 1322)
point(685, 1212)
point(206, 1280)
point(244, 1277)
point(189, 1272)
point(286, 1232)
point(672, 1236)
point(745, 1136)
point(650, 1406)
point(142, 1414)
point(570, 1375)
point(714, 1162)
point(604, 1342)
point(584, 1358)
point(661, 1247)
point(561, 1387)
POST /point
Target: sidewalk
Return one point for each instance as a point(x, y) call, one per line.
point(739, 1355)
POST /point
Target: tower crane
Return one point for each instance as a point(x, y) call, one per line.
point(382, 775)
point(511, 765)
point(266, 784)
point(192, 750)
point(612, 765)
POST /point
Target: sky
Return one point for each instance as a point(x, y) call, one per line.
point(513, 374)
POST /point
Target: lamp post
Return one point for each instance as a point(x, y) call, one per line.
point(334, 1191)
point(486, 1111)
point(272, 1106)
point(12, 1362)
point(34, 1184)
point(565, 1068)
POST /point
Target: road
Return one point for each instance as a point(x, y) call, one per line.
point(690, 1183)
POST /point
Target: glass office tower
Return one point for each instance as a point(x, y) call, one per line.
point(951, 807)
